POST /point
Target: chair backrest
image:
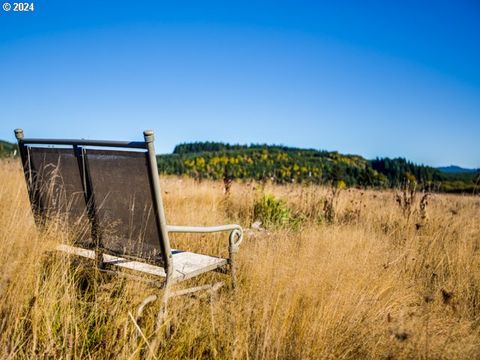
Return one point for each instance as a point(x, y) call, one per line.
point(56, 189)
point(108, 190)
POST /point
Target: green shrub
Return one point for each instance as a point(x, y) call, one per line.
point(271, 212)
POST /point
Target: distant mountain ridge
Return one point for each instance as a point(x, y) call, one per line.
point(454, 169)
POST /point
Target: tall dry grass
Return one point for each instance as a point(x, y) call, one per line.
point(368, 284)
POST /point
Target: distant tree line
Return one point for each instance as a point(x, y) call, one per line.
point(400, 170)
point(198, 147)
point(281, 164)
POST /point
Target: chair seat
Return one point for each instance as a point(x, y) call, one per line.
point(185, 264)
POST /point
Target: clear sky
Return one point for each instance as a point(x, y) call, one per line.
point(386, 78)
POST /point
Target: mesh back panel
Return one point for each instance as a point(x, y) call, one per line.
point(57, 190)
point(123, 199)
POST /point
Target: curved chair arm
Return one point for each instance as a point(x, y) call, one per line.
point(235, 231)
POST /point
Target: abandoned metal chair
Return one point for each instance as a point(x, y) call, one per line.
point(110, 191)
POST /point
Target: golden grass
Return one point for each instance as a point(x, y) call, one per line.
point(369, 285)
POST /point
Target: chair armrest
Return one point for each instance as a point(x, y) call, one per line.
point(235, 231)
point(202, 229)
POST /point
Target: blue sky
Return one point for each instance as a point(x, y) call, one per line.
point(370, 78)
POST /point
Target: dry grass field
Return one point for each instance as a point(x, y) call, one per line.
point(370, 283)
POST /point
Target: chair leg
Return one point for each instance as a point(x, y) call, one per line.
point(141, 308)
point(162, 321)
point(213, 298)
point(163, 313)
point(162, 316)
point(233, 271)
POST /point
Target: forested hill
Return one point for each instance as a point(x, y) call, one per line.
point(283, 164)
point(7, 149)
